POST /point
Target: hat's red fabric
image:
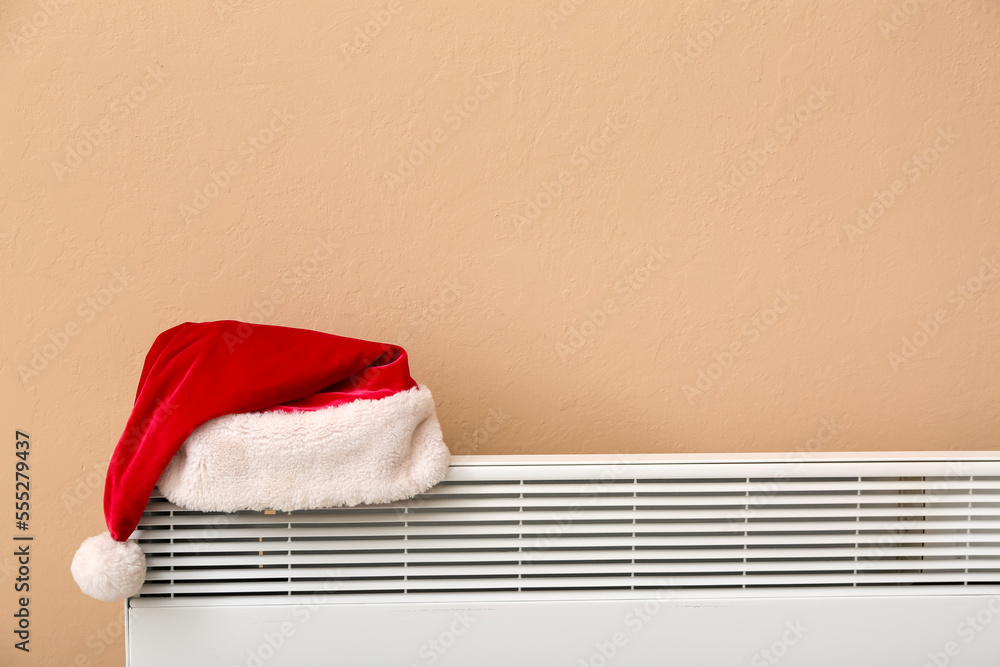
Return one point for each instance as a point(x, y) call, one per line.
point(195, 372)
point(231, 416)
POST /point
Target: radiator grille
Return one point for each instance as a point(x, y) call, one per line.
point(611, 526)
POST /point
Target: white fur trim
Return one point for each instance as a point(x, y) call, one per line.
point(366, 451)
point(109, 570)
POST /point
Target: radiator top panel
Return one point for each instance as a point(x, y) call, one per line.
point(552, 528)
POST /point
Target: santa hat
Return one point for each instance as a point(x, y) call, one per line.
point(231, 416)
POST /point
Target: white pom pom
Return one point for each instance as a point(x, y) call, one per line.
point(109, 570)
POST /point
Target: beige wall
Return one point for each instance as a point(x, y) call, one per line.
point(696, 276)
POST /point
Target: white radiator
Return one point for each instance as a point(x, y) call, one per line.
point(601, 561)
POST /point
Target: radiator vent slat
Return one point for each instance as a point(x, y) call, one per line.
point(411, 558)
point(577, 526)
point(602, 514)
point(448, 571)
point(620, 498)
point(621, 526)
point(554, 543)
point(552, 583)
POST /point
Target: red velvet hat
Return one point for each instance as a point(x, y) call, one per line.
point(226, 413)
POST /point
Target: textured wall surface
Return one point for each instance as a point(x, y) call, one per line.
point(597, 227)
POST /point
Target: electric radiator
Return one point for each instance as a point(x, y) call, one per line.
point(800, 560)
